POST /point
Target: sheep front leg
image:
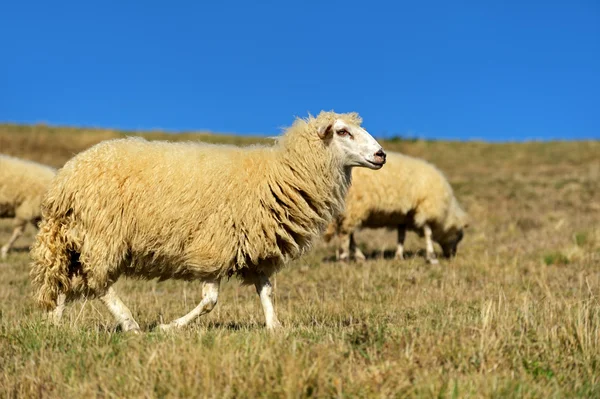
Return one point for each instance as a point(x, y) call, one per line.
point(17, 232)
point(343, 253)
point(348, 249)
point(56, 315)
point(264, 289)
point(430, 255)
point(210, 295)
point(355, 251)
point(119, 311)
point(401, 238)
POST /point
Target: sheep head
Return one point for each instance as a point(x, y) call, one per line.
point(352, 144)
point(450, 242)
point(453, 233)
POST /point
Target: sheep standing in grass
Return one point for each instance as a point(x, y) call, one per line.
point(193, 211)
point(409, 193)
point(22, 188)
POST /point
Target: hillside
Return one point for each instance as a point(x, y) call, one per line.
point(517, 313)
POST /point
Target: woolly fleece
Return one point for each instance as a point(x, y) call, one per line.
point(186, 210)
point(407, 191)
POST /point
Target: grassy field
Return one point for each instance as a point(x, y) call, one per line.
point(516, 314)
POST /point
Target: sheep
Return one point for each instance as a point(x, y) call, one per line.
point(409, 193)
point(193, 211)
point(22, 187)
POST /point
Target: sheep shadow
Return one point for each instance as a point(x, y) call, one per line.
point(13, 251)
point(233, 326)
point(376, 254)
point(213, 325)
point(18, 249)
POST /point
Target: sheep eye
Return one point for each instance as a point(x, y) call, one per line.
point(343, 132)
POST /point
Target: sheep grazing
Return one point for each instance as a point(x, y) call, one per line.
point(22, 188)
point(409, 193)
point(193, 211)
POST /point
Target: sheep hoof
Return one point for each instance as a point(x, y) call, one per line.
point(399, 257)
point(433, 261)
point(344, 258)
point(53, 318)
point(274, 327)
point(128, 327)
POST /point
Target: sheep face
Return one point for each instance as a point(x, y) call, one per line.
point(449, 242)
point(352, 144)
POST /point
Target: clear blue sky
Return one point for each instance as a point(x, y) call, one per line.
point(495, 70)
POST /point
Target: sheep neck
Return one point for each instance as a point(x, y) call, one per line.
point(314, 169)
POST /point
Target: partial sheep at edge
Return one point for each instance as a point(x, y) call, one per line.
point(22, 187)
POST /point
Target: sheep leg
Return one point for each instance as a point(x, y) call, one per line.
point(17, 232)
point(401, 238)
point(56, 315)
point(210, 294)
point(264, 289)
point(344, 250)
point(120, 311)
point(348, 249)
point(430, 255)
point(355, 250)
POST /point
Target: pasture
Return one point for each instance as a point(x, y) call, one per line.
point(516, 314)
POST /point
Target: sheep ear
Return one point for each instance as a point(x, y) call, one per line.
point(325, 130)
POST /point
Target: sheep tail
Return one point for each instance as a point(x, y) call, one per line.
point(55, 255)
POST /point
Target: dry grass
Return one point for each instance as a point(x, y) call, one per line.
point(515, 315)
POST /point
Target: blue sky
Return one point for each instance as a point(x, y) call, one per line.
point(493, 70)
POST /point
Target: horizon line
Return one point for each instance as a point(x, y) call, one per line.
point(382, 136)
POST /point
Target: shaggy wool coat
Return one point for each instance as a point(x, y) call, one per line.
point(408, 191)
point(185, 210)
point(22, 188)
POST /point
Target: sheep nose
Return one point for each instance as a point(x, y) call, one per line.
point(380, 155)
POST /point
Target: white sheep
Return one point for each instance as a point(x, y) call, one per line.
point(409, 193)
point(22, 187)
point(193, 211)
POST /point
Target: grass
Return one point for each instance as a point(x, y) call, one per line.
point(516, 314)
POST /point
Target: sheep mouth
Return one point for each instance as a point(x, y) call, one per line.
point(376, 164)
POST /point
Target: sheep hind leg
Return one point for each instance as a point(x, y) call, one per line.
point(120, 311)
point(264, 289)
point(430, 254)
point(401, 237)
point(210, 295)
point(17, 232)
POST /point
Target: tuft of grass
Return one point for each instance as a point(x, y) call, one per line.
point(581, 239)
point(537, 370)
point(556, 258)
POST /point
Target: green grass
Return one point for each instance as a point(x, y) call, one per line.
point(556, 258)
point(516, 314)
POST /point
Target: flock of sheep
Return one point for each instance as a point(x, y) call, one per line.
point(196, 211)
